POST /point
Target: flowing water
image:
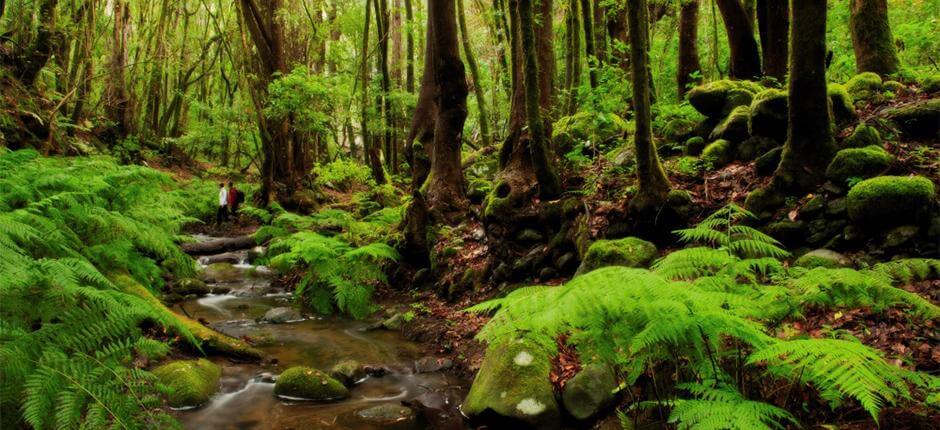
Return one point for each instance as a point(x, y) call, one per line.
point(247, 401)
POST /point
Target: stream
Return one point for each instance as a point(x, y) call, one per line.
point(246, 399)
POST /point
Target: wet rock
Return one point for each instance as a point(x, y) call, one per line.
point(890, 200)
point(266, 377)
point(306, 383)
point(376, 371)
point(387, 414)
point(255, 253)
point(900, 235)
point(823, 258)
point(438, 409)
point(281, 315)
point(766, 164)
point(432, 364)
point(513, 382)
point(393, 322)
point(348, 372)
point(629, 252)
point(860, 163)
point(192, 382)
point(220, 273)
point(187, 286)
point(589, 391)
point(918, 120)
point(863, 136)
point(228, 257)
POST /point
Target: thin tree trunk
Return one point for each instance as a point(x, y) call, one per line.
point(475, 75)
point(118, 105)
point(773, 21)
point(871, 37)
point(600, 32)
point(575, 50)
point(410, 50)
point(587, 19)
point(745, 57)
point(688, 47)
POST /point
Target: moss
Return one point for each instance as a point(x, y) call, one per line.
point(190, 286)
point(513, 382)
point(717, 99)
point(842, 104)
point(309, 384)
point(678, 129)
point(347, 372)
point(764, 201)
point(679, 198)
point(822, 258)
point(191, 382)
point(629, 252)
point(931, 84)
point(497, 203)
point(769, 112)
point(694, 145)
point(864, 86)
point(583, 126)
point(890, 200)
point(754, 147)
point(919, 120)
point(894, 87)
point(767, 163)
point(718, 152)
point(735, 126)
point(220, 272)
point(862, 163)
point(589, 391)
point(863, 136)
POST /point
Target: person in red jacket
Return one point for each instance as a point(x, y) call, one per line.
point(234, 198)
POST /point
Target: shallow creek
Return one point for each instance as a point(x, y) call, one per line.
point(246, 399)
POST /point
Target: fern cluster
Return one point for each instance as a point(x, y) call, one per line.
point(706, 314)
point(68, 335)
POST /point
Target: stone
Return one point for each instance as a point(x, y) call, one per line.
point(823, 258)
point(863, 136)
point(547, 273)
point(589, 391)
point(281, 315)
point(716, 99)
point(306, 383)
point(864, 86)
point(387, 414)
point(841, 104)
point(393, 322)
point(678, 129)
point(755, 146)
point(894, 87)
point(529, 236)
point(220, 273)
point(192, 382)
point(432, 364)
point(930, 84)
point(900, 235)
point(918, 120)
point(788, 232)
point(629, 252)
point(769, 112)
point(718, 153)
point(348, 372)
point(766, 164)
point(584, 127)
point(836, 207)
point(513, 382)
point(188, 286)
point(694, 145)
point(858, 163)
point(890, 200)
point(734, 127)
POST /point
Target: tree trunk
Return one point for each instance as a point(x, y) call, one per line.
point(370, 149)
point(409, 50)
point(871, 37)
point(549, 183)
point(773, 21)
point(545, 48)
point(653, 185)
point(475, 75)
point(620, 39)
point(688, 47)
point(117, 104)
point(600, 32)
point(382, 27)
point(574, 50)
point(745, 57)
point(587, 19)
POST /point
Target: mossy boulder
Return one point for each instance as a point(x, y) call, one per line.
point(861, 163)
point(769, 111)
point(589, 391)
point(919, 120)
point(679, 129)
point(788, 232)
point(220, 273)
point(717, 99)
point(734, 127)
point(718, 152)
point(694, 145)
point(890, 200)
point(585, 126)
point(347, 372)
point(188, 286)
point(766, 164)
point(306, 383)
point(841, 104)
point(864, 86)
point(513, 382)
point(192, 382)
point(864, 135)
point(931, 84)
point(754, 147)
point(894, 87)
point(629, 252)
point(823, 258)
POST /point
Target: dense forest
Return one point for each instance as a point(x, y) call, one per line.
point(454, 214)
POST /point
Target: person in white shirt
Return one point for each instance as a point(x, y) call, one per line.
point(222, 213)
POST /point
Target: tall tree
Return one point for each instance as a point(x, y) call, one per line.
point(572, 56)
point(688, 46)
point(409, 49)
point(117, 103)
point(745, 57)
point(369, 147)
point(871, 37)
point(773, 22)
point(475, 75)
point(587, 21)
point(600, 31)
point(549, 183)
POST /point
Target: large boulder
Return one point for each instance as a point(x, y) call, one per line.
point(717, 99)
point(306, 383)
point(864, 86)
point(860, 163)
point(188, 286)
point(586, 126)
point(769, 111)
point(191, 382)
point(348, 372)
point(679, 129)
point(822, 258)
point(919, 120)
point(629, 252)
point(864, 135)
point(890, 200)
point(513, 383)
point(718, 152)
point(589, 391)
point(734, 127)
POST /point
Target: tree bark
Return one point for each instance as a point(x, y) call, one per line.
point(409, 50)
point(587, 20)
point(745, 57)
point(549, 183)
point(117, 104)
point(574, 51)
point(871, 37)
point(600, 32)
point(653, 186)
point(773, 21)
point(370, 149)
point(688, 47)
point(475, 75)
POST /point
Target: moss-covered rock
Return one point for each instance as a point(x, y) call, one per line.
point(890, 200)
point(931, 84)
point(822, 258)
point(717, 99)
point(789, 233)
point(864, 86)
point(220, 272)
point(192, 382)
point(187, 286)
point(842, 104)
point(679, 129)
point(864, 135)
point(767, 163)
point(629, 252)
point(769, 112)
point(919, 120)
point(309, 384)
point(347, 372)
point(734, 127)
point(764, 202)
point(861, 163)
point(694, 145)
point(754, 147)
point(718, 152)
point(513, 382)
point(583, 126)
point(589, 391)
point(894, 87)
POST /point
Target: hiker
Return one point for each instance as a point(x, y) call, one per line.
point(234, 198)
point(222, 213)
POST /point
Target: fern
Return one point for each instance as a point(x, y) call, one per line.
point(725, 408)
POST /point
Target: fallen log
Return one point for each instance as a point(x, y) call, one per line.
point(218, 246)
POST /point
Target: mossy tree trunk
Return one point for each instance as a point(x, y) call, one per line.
point(587, 22)
point(688, 46)
point(653, 184)
point(871, 37)
point(475, 75)
point(118, 104)
point(573, 62)
point(745, 57)
point(620, 39)
point(773, 23)
point(600, 32)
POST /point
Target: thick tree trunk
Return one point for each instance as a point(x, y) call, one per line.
point(475, 75)
point(574, 52)
point(117, 104)
point(620, 39)
point(653, 184)
point(587, 21)
point(600, 32)
point(773, 20)
point(549, 183)
point(688, 47)
point(382, 27)
point(370, 148)
point(409, 50)
point(871, 37)
point(545, 49)
point(745, 57)
point(421, 135)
